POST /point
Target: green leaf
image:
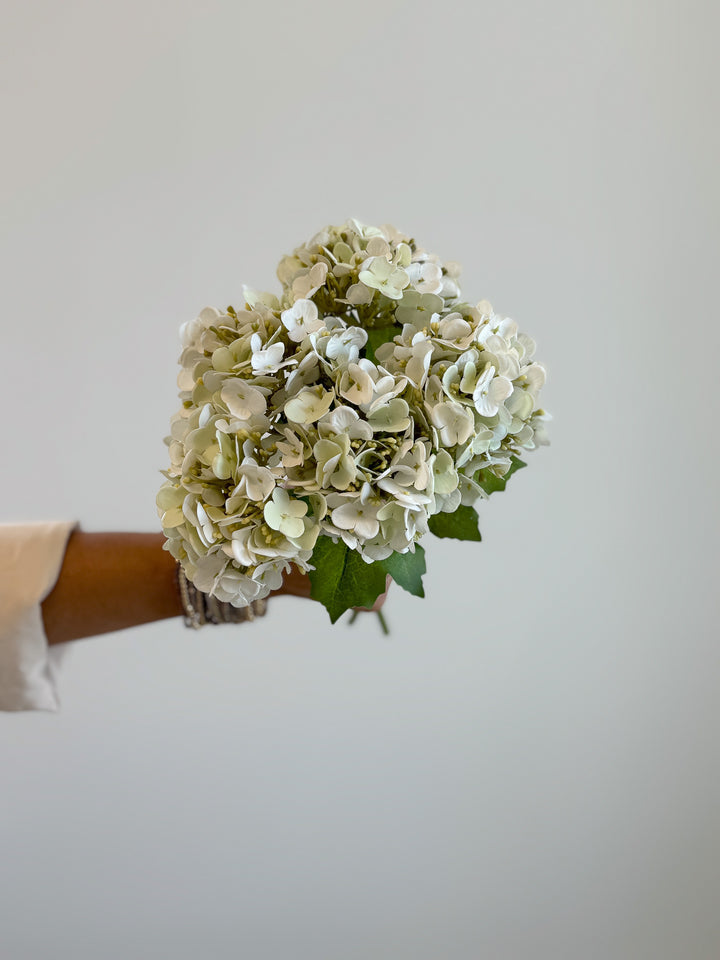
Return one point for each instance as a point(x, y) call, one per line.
point(377, 336)
point(492, 484)
point(341, 578)
point(407, 570)
point(462, 524)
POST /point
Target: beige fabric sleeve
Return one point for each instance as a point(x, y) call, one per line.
point(31, 556)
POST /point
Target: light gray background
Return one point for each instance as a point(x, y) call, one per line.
point(528, 766)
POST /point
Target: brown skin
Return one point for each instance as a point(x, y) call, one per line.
point(112, 581)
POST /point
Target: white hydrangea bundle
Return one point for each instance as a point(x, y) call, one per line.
point(334, 426)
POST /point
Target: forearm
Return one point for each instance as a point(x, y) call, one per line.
point(110, 581)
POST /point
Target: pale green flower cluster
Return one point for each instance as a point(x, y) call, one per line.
point(365, 399)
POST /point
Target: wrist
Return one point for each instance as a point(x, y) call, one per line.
point(200, 608)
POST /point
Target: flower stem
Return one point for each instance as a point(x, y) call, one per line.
point(381, 618)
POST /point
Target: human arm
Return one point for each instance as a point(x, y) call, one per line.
point(58, 583)
point(112, 581)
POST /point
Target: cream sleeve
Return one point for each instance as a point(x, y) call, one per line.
point(31, 555)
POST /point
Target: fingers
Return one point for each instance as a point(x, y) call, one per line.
point(297, 584)
point(380, 600)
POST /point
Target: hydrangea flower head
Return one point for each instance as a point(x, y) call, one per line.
point(361, 403)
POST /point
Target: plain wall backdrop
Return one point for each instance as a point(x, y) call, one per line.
point(527, 768)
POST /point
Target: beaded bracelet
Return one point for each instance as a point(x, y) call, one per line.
point(201, 608)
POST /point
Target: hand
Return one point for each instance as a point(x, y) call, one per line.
point(297, 584)
point(377, 606)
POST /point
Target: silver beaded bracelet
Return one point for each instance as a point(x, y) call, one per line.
point(201, 608)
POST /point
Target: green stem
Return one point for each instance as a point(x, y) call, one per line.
point(383, 622)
